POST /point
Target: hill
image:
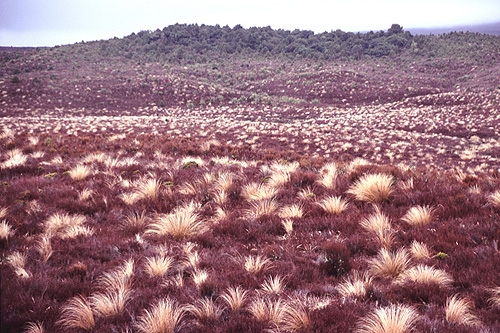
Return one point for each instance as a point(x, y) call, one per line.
point(220, 179)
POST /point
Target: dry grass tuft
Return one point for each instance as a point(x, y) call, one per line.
point(333, 205)
point(261, 208)
point(76, 313)
point(287, 225)
point(80, 172)
point(159, 265)
point(394, 319)
point(44, 247)
point(419, 250)
point(389, 264)
point(372, 188)
point(266, 310)
point(426, 274)
point(149, 189)
point(306, 194)
point(255, 191)
point(3, 212)
point(419, 215)
point(34, 327)
point(205, 309)
point(291, 211)
point(5, 230)
point(66, 226)
point(356, 286)
point(295, 319)
point(120, 279)
point(273, 285)
point(110, 303)
point(200, 277)
point(459, 311)
point(15, 158)
point(18, 260)
point(495, 298)
point(85, 194)
point(135, 222)
point(255, 264)
point(494, 199)
point(183, 222)
point(378, 224)
point(163, 317)
point(235, 297)
point(328, 177)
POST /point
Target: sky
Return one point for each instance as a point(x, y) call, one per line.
point(58, 22)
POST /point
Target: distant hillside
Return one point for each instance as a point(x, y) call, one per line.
point(490, 29)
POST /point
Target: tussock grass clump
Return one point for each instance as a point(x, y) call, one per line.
point(110, 303)
point(291, 211)
point(356, 286)
point(66, 226)
point(34, 327)
point(495, 298)
point(333, 205)
point(419, 215)
point(205, 309)
point(494, 199)
point(328, 177)
point(394, 319)
point(77, 313)
point(266, 310)
point(389, 264)
point(273, 285)
point(85, 194)
point(459, 311)
point(306, 194)
point(18, 260)
point(80, 172)
point(44, 247)
point(255, 264)
point(255, 191)
point(261, 208)
point(183, 222)
point(159, 265)
point(200, 277)
point(149, 188)
point(419, 250)
point(120, 278)
point(135, 222)
point(5, 230)
point(235, 297)
point(378, 224)
point(163, 317)
point(372, 188)
point(287, 225)
point(426, 274)
point(15, 158)
point(295, 318)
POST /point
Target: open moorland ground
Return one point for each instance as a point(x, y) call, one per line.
point(178, 187)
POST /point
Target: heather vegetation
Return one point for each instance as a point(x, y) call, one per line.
point(208, 179)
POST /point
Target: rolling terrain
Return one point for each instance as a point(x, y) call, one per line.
point(212, 179)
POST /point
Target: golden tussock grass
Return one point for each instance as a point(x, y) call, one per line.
point(333, 205)
point(15, 158)
point(183, 222)
point(273, 285)
point(393, 319)
point(200, 277)
point(235, 297)
point(356, 286)
point(5, 230)
point(328, 177)
point(287, 225)
point(255, 191)
point(266, 310)
point(495, 298)
point(204, 309)
point(389, 264)
point(80, 172)
point(419, 215)
point(34, 327)
point(261, 207)
point(44, 248)
point(18, 260)
point(220, 197)
point(378, 225)
point(372, 188)
point(494, 199)
point(459, 311)
point(419, 250)
point(255, 264)
point(66, 226)
point(149, 189)
point(163, 317)
point(158, 266)
point(3, 212)
point(291, 211)
point(77, 314)
point(85, 194)
point(110, 303)
point(119, 279)
point(295, 319)
point(224, 181)
point(426, 274)
point(306, 194)
point(135, 222)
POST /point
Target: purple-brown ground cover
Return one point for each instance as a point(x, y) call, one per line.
point(95, 175)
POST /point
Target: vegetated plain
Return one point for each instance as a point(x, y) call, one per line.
point(222, 179)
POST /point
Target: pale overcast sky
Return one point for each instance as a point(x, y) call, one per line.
point(55, 22)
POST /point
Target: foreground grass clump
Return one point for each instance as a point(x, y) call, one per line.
point(183, 222)
point(389, 264)
point(163, 317)
point(394, 319)
point(372, 188)
point(76, 313)
point(419, 215)
point(459, 311)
